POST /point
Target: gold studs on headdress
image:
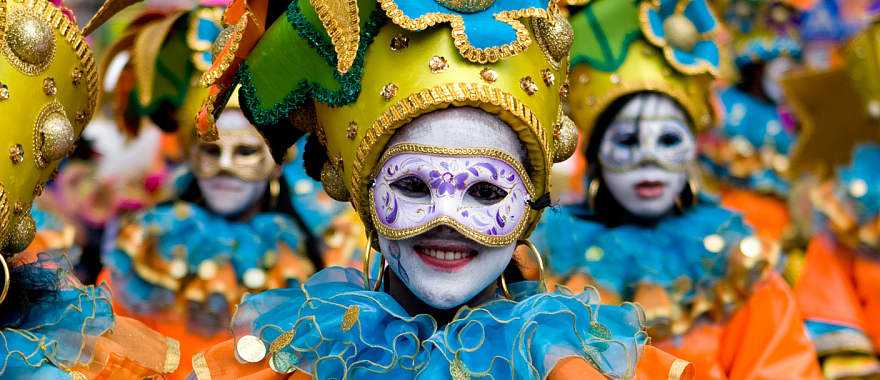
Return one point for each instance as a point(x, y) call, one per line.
point(467, 6)
point(565, 138)
point(31, 42)
point(554, 36)
point(331, 178)
point(20, 236)
point(54, 135)
point(681, 32)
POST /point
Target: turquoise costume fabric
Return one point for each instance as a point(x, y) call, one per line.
point(670, 253)
point(864, 168)
point(332, 328)
point(53, 333)
point(759, 124)
point(204, 236)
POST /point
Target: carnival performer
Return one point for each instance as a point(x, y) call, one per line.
point(838, 286)
point(233, 224)
point(442, 139)
point(52, 326)
point(748, 153)
point(639, 93)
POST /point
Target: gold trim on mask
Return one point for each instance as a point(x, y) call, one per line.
point(508, 107)
point(251, 168)
point(489, 240)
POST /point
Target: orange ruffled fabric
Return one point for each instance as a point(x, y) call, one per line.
point(768, 214)
point(764, 339)
point(840, 286)
point(218, 363)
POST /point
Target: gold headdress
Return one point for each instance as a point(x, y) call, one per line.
point(626, 47)
point(365, 68)
point(48, 92)
point(837, 109)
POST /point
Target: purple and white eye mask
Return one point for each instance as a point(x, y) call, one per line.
point(448, 174)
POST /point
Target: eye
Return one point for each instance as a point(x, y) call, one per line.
point(412, 187)
point(210, 149)
point(627, 139)
point(486, 193)
point(669, 139)
point(244, 150)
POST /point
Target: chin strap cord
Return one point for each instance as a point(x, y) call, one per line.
point(541, 203)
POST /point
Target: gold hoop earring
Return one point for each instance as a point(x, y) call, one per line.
point(695, 190)
point(6, 279)
point(274, 191)
point(592, 192)
point(368, 259)
point(538, 258)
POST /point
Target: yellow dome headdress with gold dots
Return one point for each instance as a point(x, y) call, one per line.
point(352, 72)
point(48, 92)
point(626, 47)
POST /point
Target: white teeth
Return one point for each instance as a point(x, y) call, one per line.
point(444, 255)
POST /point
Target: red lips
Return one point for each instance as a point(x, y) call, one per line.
point(650, 189)
point(445, 257)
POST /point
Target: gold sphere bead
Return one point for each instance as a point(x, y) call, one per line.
point(565, 139)
point(31, 39)
point(334, 186)
point(467, 6)
point(681, 32)
point(58, 137)
point(20, 235)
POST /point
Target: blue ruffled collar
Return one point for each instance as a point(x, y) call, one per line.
point(703, 257)
point(53, 337)
point(331, 328)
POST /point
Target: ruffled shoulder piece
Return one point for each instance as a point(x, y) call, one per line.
point(704, 261)
point(752, 148)
point(52, 339)
point(849, 205)
point(183, 249)
point(332, 328)
point(73, 334)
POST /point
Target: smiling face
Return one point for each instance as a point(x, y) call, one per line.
point(449, 207)
point(232, 172)
point(645, 154)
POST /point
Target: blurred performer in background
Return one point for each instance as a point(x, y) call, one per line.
point(747, 154)
point(640, 92)
point(52, 326)
point(838, 287)
point(233, 223)
point(443, 140)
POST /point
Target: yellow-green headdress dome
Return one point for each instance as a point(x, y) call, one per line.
point(352, 72)
point(626, 47)
point(48, 92)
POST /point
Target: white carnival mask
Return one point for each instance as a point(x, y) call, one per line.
point(232, 172)
point(450, 202)
point(645, 154)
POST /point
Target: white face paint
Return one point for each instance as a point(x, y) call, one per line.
point(645, 153)
point(442, 267)
point(232, 174)
point(773, 73)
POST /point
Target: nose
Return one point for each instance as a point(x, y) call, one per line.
point(226, 159)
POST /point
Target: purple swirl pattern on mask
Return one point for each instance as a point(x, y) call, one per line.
point(448, 179)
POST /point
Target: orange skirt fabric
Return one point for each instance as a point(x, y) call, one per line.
point(766, 213)
point(764, 339)
point(840, 286)
point(173, 327)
